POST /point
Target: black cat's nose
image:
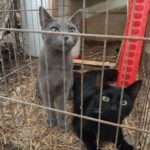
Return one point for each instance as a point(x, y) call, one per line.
point(113, 107)
point(66, 38)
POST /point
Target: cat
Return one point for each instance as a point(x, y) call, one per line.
point(54, 80)
point(110, 107)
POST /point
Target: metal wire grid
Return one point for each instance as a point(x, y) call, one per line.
point(145, 99)
point(29, 68)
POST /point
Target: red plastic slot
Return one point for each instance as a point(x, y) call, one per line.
point(131, 49)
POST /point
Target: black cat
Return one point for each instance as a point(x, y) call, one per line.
point(110, 107)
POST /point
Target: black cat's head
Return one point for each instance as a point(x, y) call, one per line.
point(111, 101)
point(111, 95)
point(58, 24)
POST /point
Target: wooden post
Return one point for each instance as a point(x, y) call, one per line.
point(53, 6)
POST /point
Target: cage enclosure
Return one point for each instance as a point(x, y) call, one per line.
point(22, 110)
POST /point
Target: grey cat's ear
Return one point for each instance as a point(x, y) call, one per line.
point(134, 88)
point(76, 18)
point(45, 18)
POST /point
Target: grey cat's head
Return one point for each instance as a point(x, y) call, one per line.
point(58, 24)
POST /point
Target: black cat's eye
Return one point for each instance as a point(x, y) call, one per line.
point(105, 99)
point(72, 29)
point(54, 29)
point(124, 103)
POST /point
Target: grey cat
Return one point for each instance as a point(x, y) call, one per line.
point(55, 80)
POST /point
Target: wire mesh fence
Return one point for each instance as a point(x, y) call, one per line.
point(22, 108)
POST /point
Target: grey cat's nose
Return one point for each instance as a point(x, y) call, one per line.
point(66, 38)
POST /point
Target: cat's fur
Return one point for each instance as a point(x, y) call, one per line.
point(109, 111)
point(52, 84)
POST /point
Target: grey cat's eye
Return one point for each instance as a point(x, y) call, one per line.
point(124, 102)
point(105, 99)
point(72, 29)
point(54, 29)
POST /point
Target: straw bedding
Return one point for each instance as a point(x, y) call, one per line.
point(22, 127)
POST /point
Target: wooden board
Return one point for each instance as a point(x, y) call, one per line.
point(94, 63)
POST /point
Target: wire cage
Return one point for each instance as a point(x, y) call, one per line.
point(22, 110)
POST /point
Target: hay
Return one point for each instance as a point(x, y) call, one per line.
point(22, 127)
point(4, 15)
point(94, 50)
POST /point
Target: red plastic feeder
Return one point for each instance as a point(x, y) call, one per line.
point(131, 49)
point(79, 57)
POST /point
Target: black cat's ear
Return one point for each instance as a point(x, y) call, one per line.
point(134, 88)
point(45, 18)
point(76, 18)
point(89, 78)
point(110, 75)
